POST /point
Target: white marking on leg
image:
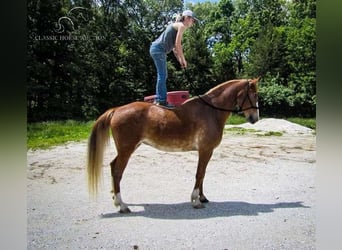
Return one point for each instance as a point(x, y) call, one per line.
point(116, 200)
point(119, 202)
point(195, 198)
point(113, 189)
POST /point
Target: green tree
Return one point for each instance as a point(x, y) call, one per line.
point(84, 56)
point(301, 55)
point(47, 94)
point(219, 31)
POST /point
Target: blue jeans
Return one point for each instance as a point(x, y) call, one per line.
point(158, 55)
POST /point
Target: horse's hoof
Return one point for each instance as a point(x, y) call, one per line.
point(204, 200)
point(125, 211)
point(199, 206)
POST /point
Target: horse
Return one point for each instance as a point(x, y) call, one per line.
point(195, 125)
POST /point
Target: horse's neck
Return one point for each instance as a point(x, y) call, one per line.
point(224, 95)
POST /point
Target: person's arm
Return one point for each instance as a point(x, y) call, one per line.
point(179, 59)
point(178, 50)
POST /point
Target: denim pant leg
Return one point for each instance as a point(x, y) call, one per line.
point(159, 58)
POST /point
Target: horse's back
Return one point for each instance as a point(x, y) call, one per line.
point(129, 116)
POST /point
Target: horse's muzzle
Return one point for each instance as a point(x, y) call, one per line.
point(253, 119)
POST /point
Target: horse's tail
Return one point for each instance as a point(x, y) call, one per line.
point(97, 142)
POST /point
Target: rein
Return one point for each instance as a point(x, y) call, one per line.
point(237, 109)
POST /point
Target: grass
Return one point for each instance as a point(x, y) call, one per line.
point(243, 131)
point(240, 131)
point(271, 133)
point(44, 135)
point(236, 119)
point(306, 122)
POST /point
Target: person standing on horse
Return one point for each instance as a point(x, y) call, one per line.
point(169, 40)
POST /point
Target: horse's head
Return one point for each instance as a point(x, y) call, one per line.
point(235, 95)
point(247, 100)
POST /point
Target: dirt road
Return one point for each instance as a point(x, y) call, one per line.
point(261, 191)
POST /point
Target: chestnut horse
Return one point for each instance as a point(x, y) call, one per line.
point(195, 125)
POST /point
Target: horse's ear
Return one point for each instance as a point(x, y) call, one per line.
point(255, 80)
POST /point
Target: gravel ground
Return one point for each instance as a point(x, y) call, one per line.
point(261, 190)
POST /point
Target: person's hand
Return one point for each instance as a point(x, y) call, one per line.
point(183, 63)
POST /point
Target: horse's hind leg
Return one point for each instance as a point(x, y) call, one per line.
point(197, 196)
point(118, 166)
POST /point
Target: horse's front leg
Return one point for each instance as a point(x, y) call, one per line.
point(197, 196)
point(202, 197)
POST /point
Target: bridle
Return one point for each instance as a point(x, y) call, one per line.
point(237, 108)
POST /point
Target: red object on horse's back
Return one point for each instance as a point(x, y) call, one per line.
point(175, 98)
